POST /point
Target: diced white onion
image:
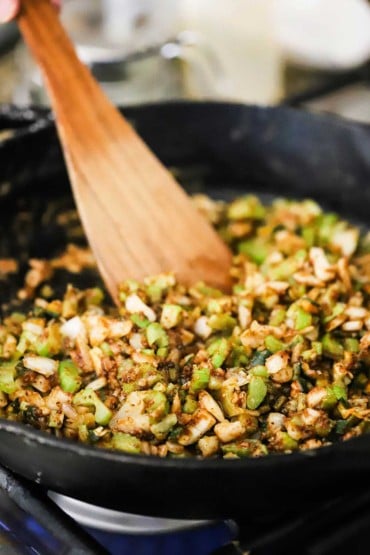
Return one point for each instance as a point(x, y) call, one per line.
point(73, 328)
point(135, 305)
point(43, 365)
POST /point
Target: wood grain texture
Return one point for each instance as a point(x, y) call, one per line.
point(137, 219)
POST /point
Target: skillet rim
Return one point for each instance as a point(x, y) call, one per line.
point(43, 439)
point(338, 452)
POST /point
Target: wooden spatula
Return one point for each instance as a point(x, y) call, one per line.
point(137, 219)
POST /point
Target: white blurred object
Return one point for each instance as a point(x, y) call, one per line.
point(239, 35)
point(140, 23)
point(327, 34)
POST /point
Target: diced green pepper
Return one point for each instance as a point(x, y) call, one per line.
point(256, 392)
point(88, 398)
point(69, 376)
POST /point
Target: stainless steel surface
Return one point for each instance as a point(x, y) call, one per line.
point(115, 521)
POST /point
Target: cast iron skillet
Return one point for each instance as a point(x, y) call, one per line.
point(220, 149)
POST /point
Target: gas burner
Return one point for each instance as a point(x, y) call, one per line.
point(120, 522)
point(32, 522)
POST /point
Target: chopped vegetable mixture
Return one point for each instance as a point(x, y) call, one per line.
point(280, 364)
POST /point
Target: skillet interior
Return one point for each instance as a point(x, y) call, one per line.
point(217, 148)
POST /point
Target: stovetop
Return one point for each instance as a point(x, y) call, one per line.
point(31, 523)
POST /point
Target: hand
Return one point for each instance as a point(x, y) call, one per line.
point(10, 8)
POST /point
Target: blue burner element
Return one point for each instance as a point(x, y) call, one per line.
point(197, 541)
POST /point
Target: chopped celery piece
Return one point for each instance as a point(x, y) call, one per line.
point(331, 347)
point(94, 296)
point(340, 392)
point(256, 392)
point(156, 335)
point(338, 309)
point(260, 371)
point(42, 348)
point(231, 404)
point(256, 249)
point(162, 428)
point(190, 404)
point(155, 292)
point(7, 375)
point(69, 378)
point(287, 442)
point(351, 344)
point(162, 352)
point(245, 448)
point(219, 350)
point(221, 322)
point(208, 291)
point(156, 403)
point(171, 315)
point(326, 227)
point(126, 442)
point(309, 234)
point(139, 321)
point(278, 317)
point(200, 379)
point(284, 269)
point(273, 344)
point(245, 208)
point(88, 398)
point(303, 319)
point(330, 399)
point(107, 349)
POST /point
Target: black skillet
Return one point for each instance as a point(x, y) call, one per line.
point(221, 149)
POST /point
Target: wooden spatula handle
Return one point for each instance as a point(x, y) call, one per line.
point(55, 54)
point(137, 219)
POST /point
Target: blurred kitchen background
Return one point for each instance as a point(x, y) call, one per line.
point(301, 52)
